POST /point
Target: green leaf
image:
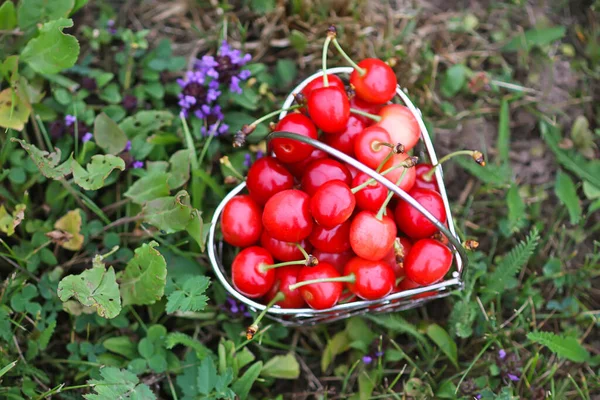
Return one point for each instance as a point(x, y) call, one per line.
point(397, 324)
point(150, 187)
point(366, 385)
point(118, 384)
point(143, 281)
point(207, 376)
point(122, 345)
point(516, 208)
point(175, 338)
point(111, 93)
point(5, 331)
point(454, 80)
point(503, 142)
point(287, 71)
point(46, 335)
point(242, 386)
point(496, 176)
point(338, 344)
point(298, 40)
point(52, 51)
point(96, 172)
point(262, 6)
point(95, 287)
point(146, 122)
point(14, 110)
point(8, 222)
point(46, 162)
point(461, 318)
point(564, 346)
point(440, 337)
point(78, 5)
point(195, 229)
point(108, 135)
point(281, 367)
point(446, 390)
point(71, 223)
point(189, 296)
point(8, 16)
point(535, 37)
point(180, 168)
point(565, 190)
point(22, 301)
point(33, 11)
point(170, 214)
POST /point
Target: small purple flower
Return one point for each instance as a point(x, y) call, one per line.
point(110, 26)
point(247, 160)
point(379, 354)
point(138, 164)
point(196, 96)
point(259, 154)
point(235, 308)
point(127, 146)
point(502, 354)
point(367, 359)
point(226, 67)
point(214, 117)
point(513, 377)
point(70, 120)
point(478, 396)
point(87, 137)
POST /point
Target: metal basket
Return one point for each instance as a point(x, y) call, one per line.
point(394, 302)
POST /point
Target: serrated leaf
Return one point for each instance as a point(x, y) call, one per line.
point(96, 171)
point(338, 344)
point(242, 386)
point(71, 223)
point(8, 16)
point(535, 37)
point(461, 319)
point(189, 296)
point(175, 338)
point(564, 346)
point(118, 384)
point(46, 162)
point(150, 187)
point(122, 345)
point(565, 190)
point(146, 122)
point(32, 12)
point(14, 111)
point(95, 287)
point(143, 281)
point(52, 51)
point(108, 135)
point(281, 367)
point(516, 208)
point(440, 337)
point(45, 336)
point(170, 214)
point(180, 168)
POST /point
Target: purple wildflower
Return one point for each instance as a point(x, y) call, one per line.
point(502, 354)
point(379, 354)
point(196, 96)
point(138, 164)
point(478, 396)
point(367, 359)
point(259, 154)
point(70, 120)
point(127, 146)
point(226, 67)
point(247, 160)
point(110, 26)
point(214, 117)
point(235, 308)
point(87, 137)
point(513, 377)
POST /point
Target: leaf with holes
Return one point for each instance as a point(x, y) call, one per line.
point(189, 295)
point(47, 163)
point(118, 384)
point(145, 122)
point(52, 51)
point(8, 221)
point(144, 278)
point(108, 135)
point(170, 214)
point(564, 346)
point(96, 172)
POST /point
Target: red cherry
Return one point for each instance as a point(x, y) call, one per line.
point(248, 272)
point(359, 104)
point(290, 150)
point(423, 182)
point(368, 148)
point(412, 222)
point(321, 171)
point(322, 295)
point(371, 197)
point(378, 83)
point(371, 238)
point(334, 240)
point(353, 171)
point(332, 204)
point(241, 221)
point(283, 251)
point(317, 83)
point(297, 169)
point(266, 177)
point(344, 141)
point(407, 284)
point(401, 124)
point(329, 108)
point(395, 257)
point(409, 178)
point(338, 260)
point(284, 277)
point(427, 262)
point(374, 279)
point(286, 216)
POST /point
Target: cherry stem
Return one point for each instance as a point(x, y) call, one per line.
point(274, 113)
point(386, 159)
point(379, 215)
point(361, 71)
point(363, 185)
point(476, 155)
point(348, 278)
point(374, 117)
point(304, 253)
point(324, 60)
point(283, 264)
point(252, 329)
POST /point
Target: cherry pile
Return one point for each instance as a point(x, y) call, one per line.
point(314, 231)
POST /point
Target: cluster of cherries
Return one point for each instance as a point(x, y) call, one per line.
point(316, 231)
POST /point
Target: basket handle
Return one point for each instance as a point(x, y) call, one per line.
point(379, 178)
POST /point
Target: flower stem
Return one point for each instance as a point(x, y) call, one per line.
point(348, 278)
point(374, 117)
point(389, 196)
point(476, 155)
point(361, 71)
point(252, 329)
point(324, 60)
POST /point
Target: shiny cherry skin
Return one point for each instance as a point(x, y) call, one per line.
point(378, 83)
point(371, 197)
point(368, 148)
point(412, 222)
point(409, 178)
point(395, 257)
point(266, 177)
point(286, 216)
point(284, 277)
point(427, 262)
point(338, 260)
point(248, 272)
point(374, 279)
point(283, 251)
point(344, 141)
point(241, 221)
point(334, 240)
point(329, 108)
point(323, 295)
point(371, 238)
point(317, 83)
point(298, 169)
point(401, 124)
point(359, 104)
point(321, 171)
point(421, 181)
point(332, 204)
point(290, 150)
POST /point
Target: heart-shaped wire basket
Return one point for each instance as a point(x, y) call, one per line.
point(393, 302)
